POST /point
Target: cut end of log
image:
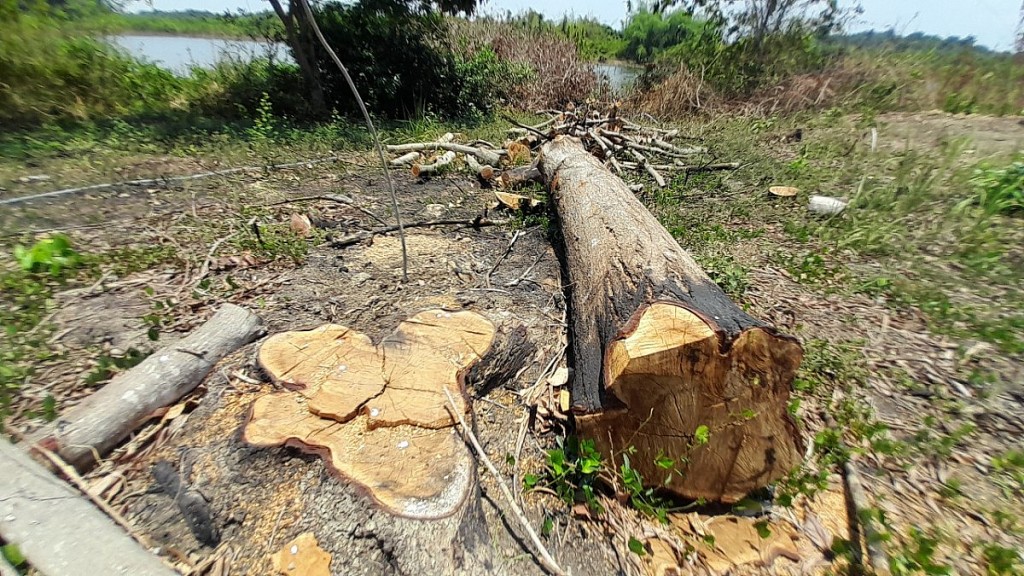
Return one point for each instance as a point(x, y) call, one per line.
point(721, 414)
point(378, 414)
point(303, 556)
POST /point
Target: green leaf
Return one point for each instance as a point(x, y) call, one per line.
point(548, 525)
point(510, 460)
point(664, 462)
point(762, 529)
point(702, 434)
point(530, 480)
point(636, 547)
point(13, 556)
point(590, 466)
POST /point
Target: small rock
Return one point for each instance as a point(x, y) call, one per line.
point(434, 211)
point(361, 277)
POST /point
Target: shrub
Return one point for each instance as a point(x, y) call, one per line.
point(404, 64)
point(50, 72)
point(556, 72)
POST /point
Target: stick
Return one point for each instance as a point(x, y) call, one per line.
point(485, 156)
point(373, 132)
point(205, 269)
point(504, 254)
point(607, 151)
point(168, 180)
point(545, 558)
point(647, 166)
point(477, 222)
point(535, 130)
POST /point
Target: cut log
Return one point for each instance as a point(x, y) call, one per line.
point(520, 176)
point(665, 364)
point(58, 530)
point(485, 172)
point(109, 415)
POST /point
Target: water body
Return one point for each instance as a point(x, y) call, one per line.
point(180, 53)
point(620, 77)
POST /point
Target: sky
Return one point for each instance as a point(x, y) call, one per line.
point(992, 22)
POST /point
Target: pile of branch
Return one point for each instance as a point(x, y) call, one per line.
point(621, 144)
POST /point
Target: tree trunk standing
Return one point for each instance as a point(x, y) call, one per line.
point(303, 56)
point(664, 362)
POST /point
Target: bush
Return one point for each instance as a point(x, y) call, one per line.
point(235, 89)
point(49, 72)
point(554, 71)
point(404, 64)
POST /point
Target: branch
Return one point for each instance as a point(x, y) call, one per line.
point(369, 124)
point(477, 222)
point(545, 559)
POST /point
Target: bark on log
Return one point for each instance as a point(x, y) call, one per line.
point(442, 161)
point(405, 159)
point(664, 362)
point(520, 176)
point(108, 416)
point(58, 530)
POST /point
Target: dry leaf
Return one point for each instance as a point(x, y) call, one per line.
point(301, 225)
point(559, 377)
point(302, 557)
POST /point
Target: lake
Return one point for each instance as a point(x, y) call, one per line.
point(620, 77)
point(179, 53)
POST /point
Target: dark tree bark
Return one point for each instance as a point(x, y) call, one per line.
point(666, 365)
point(303, 54)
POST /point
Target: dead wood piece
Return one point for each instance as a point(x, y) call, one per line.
point(475, 223)
point(59, 531)
point(303, 556)
point(406, 159)
point(377, 414)
point(650, 169)
point(109, 415)
point(193, 506)
point(520, 176)
point(510, 352)
point(485, 172)
point(663, 359)
point(516, 201)
point(441, 161)
point(486, 156)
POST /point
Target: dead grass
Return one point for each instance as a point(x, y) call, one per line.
point(560, 75)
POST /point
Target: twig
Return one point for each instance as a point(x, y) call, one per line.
point(205, 269)
point(477, 222)
point(545, 558)
point(859, 499)
point(373, 132)
point(504, 255)
point(523, 277)
point(485, 156)
point(331, 198)
point(528, 128)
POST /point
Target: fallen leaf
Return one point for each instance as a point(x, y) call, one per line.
point(301, 225)
point(784, 191)
point(303, 556)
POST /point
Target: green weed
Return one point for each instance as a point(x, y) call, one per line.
point(997, 190)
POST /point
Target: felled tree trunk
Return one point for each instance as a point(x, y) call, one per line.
point(666, 366)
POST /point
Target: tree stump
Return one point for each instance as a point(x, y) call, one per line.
point(666, 365)
point(379, 417)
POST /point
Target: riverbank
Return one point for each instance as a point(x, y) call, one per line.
point(260, 25)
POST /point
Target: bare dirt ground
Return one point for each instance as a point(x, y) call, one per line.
point(159, 243)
